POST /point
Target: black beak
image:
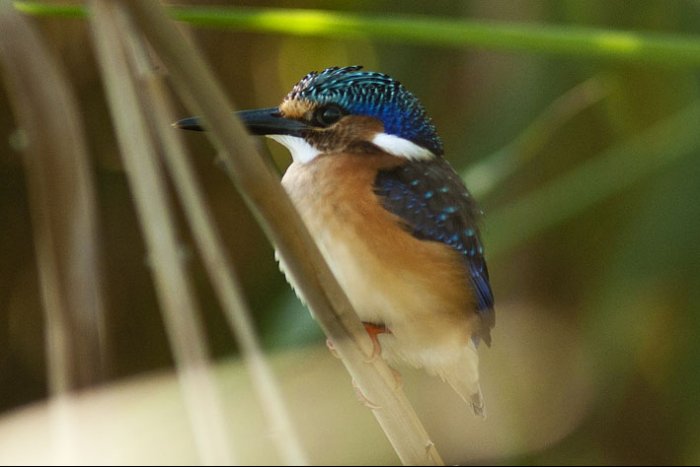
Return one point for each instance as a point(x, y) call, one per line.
point(259, 122)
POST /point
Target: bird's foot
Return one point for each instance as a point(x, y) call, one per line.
point(373, 330)
point(362, 398)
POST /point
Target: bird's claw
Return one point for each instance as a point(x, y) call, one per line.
point(331, 347)
point(362, 398)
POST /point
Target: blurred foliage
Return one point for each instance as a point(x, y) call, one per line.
point(593, 217)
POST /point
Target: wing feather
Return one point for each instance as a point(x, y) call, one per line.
point(434, 204)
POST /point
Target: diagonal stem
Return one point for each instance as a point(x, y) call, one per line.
point(262, 191)
point(211, 246)
point(180, 309)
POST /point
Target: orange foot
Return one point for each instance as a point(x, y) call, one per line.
point(374, 330)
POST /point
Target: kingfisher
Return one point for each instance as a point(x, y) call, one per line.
point(392, 218)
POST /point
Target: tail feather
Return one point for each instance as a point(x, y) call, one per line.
point(463, 376)
point(474, 399)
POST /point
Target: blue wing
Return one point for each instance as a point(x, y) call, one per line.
point(435, 205)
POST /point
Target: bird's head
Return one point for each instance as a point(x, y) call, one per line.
point(345, 110)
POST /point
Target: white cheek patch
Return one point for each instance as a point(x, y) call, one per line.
point(302, 151)
point(402, 147)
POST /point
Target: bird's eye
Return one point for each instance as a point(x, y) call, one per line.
point(327, 115)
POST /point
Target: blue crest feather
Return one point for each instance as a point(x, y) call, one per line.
point(375, 95)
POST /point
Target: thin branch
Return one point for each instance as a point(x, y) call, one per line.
point(63, 207)
point(179, 305)
point(261, 189)
point(219, 268)
point(572, 41)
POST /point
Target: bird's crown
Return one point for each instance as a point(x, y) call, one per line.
point(324, 98)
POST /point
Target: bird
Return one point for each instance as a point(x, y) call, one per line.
point(391, 217)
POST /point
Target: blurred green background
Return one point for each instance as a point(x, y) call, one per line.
point(588, 171)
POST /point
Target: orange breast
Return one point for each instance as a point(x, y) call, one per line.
point(418, 288)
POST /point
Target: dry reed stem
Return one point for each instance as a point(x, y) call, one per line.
point(63, 206)
point(219, 267)
point(180, 309)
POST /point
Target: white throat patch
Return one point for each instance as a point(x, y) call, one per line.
point(302, 151)
point(400, 147)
